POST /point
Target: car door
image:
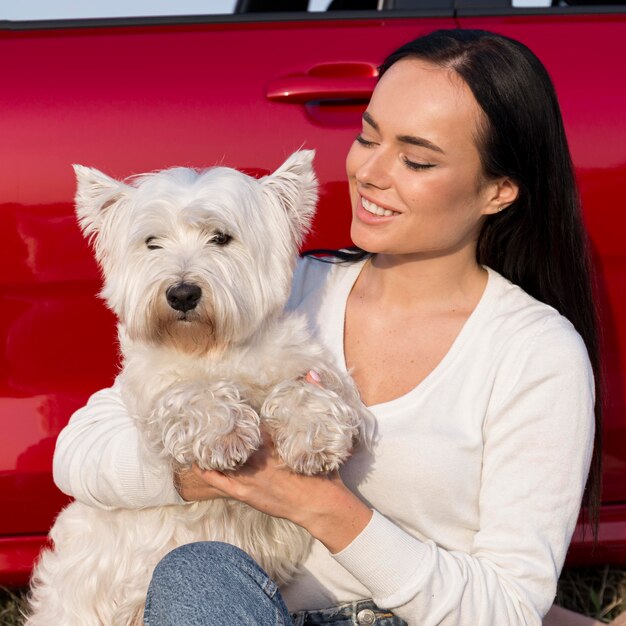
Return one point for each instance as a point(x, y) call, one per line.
point(583, 44)
point(129, 95)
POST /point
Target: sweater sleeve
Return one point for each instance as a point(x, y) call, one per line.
point(98, 459)
point(538, 441)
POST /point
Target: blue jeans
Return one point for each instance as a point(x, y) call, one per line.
point(217, 584)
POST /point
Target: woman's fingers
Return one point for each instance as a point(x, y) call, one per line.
point(314, 378)
point(192, 487)
point(213, 479)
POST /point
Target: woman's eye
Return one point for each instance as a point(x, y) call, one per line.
point(151, 245)
point(221, 239)
point(413, 165)
point(363, 141)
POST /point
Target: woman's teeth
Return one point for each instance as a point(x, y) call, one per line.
point(370, 207)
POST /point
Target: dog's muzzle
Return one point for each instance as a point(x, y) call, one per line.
point(184, 296)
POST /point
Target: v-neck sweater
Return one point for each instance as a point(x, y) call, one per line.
point(475, 476)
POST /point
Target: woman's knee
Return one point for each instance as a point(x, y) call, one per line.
point(207, 582)
point(212, 562)
point(201, 554)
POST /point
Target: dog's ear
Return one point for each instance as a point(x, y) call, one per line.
point(295, 186)
point(95, 194)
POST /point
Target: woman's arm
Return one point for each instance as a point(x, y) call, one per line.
point(321, 504)
point(325, 507)
point(98, 459)
point(538, 439)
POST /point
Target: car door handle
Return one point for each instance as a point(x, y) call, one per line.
point(329, 81)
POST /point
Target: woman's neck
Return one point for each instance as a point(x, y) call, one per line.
point(406, 281)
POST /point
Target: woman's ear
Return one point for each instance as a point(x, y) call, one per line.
point(502, 192)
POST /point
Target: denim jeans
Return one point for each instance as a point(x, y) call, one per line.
point(217, 584)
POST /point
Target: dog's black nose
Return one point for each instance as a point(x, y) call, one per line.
point(183, 297)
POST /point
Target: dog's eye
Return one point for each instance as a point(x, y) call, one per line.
point(151, 245)
point(221, 239)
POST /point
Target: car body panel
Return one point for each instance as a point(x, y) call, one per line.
point(592, 94)
point(130, 99)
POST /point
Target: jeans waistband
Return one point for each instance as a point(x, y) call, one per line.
point(361, 613)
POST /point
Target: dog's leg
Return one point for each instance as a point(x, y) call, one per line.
point(98, 570)
point(208, 423)
point(314, 427)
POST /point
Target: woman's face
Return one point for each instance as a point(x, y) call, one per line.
point(416, 182)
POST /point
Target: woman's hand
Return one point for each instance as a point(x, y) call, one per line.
point(193, 488)
point(321, 504)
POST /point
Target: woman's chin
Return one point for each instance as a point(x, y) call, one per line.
point(364, 243)
point(369, 241)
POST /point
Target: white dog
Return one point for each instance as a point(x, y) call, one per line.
point(197, 266)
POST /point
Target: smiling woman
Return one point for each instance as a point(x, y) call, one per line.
point(419, 196)
point(465, 318)
point(417, 160)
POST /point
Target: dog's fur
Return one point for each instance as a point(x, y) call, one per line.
point(199, 377)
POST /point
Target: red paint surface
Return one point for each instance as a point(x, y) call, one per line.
point(581, 54)
point(133, 99)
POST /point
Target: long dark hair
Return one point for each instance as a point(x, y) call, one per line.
point(538, 242)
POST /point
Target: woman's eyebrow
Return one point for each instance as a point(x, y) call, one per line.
point(414, 141)
point(419, 141)
point(368, 119)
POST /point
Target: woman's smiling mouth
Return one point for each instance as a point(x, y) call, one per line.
point(374, 209)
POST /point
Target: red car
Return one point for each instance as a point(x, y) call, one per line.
point(129, 95)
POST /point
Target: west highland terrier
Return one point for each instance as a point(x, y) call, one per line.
point(197, 266)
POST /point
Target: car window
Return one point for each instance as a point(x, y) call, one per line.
point(562, 3)
point(41, 10)
point(75, 9)
point(511, 7)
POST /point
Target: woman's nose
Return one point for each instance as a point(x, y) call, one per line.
point(375, 171)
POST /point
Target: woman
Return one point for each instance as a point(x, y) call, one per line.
point(462, 511)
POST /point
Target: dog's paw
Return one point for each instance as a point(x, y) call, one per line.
point(207, 424)
point(229, 450)
point(314, 429)
point(294, 453)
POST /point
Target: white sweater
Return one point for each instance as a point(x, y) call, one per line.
point(475, 479)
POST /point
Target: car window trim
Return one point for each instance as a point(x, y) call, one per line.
point(182, 20)
point(495, 8)
point(461, 8)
